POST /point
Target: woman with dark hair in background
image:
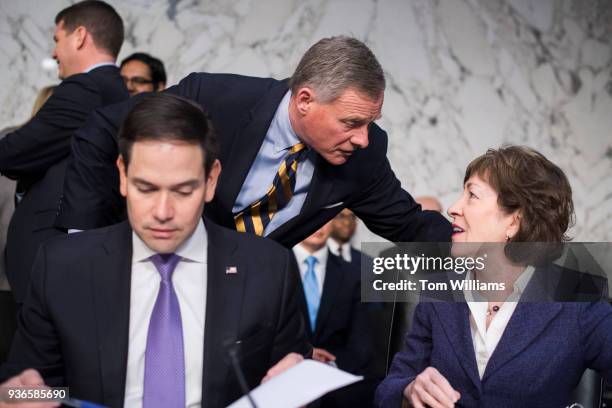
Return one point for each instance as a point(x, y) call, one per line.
point(500, 352)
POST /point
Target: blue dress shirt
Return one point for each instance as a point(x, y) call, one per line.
point(279, 138)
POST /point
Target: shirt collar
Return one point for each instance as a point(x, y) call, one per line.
point(301, 254)
point(518, 287)
point(282, 132)
point(193, 249)
point(102, 64)
point(338, 249)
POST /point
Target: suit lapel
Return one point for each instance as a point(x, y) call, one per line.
point(244, 149)
point(111, 277)
point(320, 186)
point(528, 321)
point(455, 321)
point(331, 285)
point(224, 298)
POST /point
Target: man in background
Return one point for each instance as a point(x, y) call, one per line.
point(343, 227)
point(88, 36)
point(8, 308)
point(143, 73)
point(429, 203)
point(336, 318)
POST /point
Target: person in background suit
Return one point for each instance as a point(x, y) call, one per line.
point(88, 36)
point(338, 320)
point(8, 308)
point(150, 311)
point(143, 73)
point(343, 228)
point(499, 352)
point(318, 126)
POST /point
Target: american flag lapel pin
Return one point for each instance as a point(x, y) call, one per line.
point(231, 270)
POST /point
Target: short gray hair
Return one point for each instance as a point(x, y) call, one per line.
point(334, 64)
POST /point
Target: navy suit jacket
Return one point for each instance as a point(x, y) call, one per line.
point(74, 324)
point(241, 109)
point(35, 155)
point(539, 360)
point(342, 325)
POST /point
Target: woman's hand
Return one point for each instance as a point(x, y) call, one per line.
point(432, 389)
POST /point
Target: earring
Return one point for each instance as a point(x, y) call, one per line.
point(507, 237)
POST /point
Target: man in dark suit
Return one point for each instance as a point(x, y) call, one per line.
point(343, 228)
point(338, 328)
point(152, 310)
point(88, 36)
point(321, 122)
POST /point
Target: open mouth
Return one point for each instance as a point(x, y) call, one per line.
point(457, 229)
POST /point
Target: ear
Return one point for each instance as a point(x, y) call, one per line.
point(122, 176)
point(515, 224)
point(304, 98)
point(80, 34)
point(211, 181)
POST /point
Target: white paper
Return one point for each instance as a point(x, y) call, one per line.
point(298, 386)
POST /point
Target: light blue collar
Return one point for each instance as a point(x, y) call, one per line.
point(284, 135)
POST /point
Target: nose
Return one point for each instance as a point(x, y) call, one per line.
point(360, 137)
point(455, 210)
point(164, 208)
point(129, 85)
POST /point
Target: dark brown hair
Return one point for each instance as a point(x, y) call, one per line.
point(155, 65)
point(101, 21)
point(163, 116)
point(527, 181)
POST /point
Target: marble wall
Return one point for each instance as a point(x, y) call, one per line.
point(463, 75)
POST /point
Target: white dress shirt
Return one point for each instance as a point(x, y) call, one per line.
point(341, 250)
point(301, 254)
point(189, 281)
point(485, 339)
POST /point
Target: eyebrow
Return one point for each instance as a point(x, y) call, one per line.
point(361, 119)
point(188, 183)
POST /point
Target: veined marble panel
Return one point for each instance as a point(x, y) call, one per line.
point(463, 75)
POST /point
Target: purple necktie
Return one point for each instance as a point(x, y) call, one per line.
point(164, 376)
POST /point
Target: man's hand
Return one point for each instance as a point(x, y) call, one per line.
point(322, 355)
point(430, 388)
point(28, 378)
point(286, 363)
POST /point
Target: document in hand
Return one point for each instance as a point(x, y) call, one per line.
point(298, 386)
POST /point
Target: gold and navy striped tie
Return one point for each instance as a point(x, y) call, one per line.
point(257, 216)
